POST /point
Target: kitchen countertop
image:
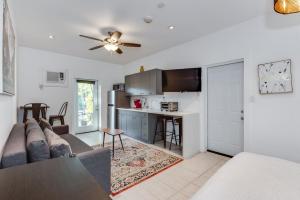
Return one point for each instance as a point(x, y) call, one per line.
point(179, 114)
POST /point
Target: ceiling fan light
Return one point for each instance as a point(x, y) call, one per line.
point(115, 36)
point(287, 6)
point(111, 47)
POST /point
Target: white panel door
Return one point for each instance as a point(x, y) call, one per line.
point(226, 108)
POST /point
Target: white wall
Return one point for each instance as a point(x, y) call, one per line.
point(8, 104)
point(271, 121)
point(188, 101)
point(33, 62)
point(7, 117)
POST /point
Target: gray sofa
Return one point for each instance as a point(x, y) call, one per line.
point(28, 144)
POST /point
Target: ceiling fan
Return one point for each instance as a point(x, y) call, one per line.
point(112, 42)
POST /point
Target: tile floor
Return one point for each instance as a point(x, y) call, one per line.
point(92, 138)
point(175, 149)
point(180, 182)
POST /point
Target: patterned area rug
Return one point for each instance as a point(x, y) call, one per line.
point(138, 163)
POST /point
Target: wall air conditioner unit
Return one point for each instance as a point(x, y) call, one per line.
point(55, 79)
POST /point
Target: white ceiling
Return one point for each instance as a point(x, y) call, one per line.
point(66, 19)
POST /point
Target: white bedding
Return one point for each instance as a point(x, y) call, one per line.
point(253, 177)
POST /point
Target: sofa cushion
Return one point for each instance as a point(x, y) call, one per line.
point(76, 144)
point(45, 124)
point(14, 152)
point(95, 160)
point(58, 146)
point(30, 125)
point(37, 146)
point(61, 130)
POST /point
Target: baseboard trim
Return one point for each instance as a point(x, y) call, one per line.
point(87, 132)
point(221, 154)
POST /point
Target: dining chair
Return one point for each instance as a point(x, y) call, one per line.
point(37, 109)
point(61, 115)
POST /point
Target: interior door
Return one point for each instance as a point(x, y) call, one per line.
point(226, 108)
point(87, 112)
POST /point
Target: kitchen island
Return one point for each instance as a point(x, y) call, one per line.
point(140, 124)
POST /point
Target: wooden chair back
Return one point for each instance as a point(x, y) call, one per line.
point(37, 109)
point(63, 109)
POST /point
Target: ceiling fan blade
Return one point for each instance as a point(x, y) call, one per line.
point(92, 38)
point(115, 36)
point(96, 47)
point(119, 51)
point(130, 44)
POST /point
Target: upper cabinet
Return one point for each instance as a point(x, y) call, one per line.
point(144, 83)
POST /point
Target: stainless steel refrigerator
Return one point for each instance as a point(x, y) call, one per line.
point(116, 99)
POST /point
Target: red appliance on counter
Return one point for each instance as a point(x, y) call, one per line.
point(137, 103)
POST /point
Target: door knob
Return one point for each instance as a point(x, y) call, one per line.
point(242, 118)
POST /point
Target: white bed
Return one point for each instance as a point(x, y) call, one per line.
point(253, 177)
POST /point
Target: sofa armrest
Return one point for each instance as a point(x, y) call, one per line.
point(61, 130)
point(98, 163)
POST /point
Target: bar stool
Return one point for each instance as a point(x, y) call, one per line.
point(176, 121)
point(164, 132)
point(160, 119)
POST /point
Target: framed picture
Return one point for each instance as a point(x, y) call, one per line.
point(8, 53)
point(275, 77)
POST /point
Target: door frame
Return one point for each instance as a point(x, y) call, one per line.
point(75, 104)
point(205, 136)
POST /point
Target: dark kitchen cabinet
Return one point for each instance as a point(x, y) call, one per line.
point(121, 120)
point(144, 83)
point(144, 128)
point(133, 125)
point(138, 125)
point(148, 127)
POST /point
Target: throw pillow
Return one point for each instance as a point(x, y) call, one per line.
point(57, 145)
point(45, 124)
point(37, 145)
point(30, 125)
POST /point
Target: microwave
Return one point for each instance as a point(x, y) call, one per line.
point(169, 106)
point(119, 87)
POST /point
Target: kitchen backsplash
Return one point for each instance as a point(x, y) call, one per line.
point(186, 101)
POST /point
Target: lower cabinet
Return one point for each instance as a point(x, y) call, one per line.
point(138, 125)
point(144, 128)
point(121, 121)
point(134, 125)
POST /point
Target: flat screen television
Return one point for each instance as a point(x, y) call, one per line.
point(182, 80)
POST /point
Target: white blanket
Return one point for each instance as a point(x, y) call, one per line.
point(253, 177)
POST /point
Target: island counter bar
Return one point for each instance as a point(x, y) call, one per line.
point(190, 127)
